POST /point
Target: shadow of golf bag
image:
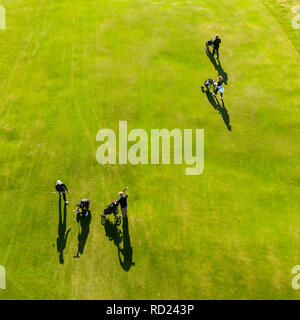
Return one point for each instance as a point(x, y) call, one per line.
point(208, 44)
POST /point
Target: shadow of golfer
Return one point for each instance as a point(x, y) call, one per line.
point(83, 232)
point(127, 251)
point(61, 240)
point(113, 233)
point(217, 66)
point(222, 109)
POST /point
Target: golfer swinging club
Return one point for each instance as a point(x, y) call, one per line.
point(123, 202)
point(62, 189)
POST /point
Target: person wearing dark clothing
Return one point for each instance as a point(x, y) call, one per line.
point(123, 202)
point(61, 188)
point(216, 45)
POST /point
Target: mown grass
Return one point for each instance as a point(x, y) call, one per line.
point(69, 68)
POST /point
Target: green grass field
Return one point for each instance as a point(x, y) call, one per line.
point(69, 68)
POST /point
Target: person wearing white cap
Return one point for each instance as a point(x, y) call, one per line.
point(62, 189)
point(123, 202)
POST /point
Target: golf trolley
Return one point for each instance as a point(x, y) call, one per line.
point(112, 208)
point(209, 86)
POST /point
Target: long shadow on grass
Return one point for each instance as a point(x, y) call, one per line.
point(61, 240)
point(217, 64)
point(113, 233)
point(117, 236)
point(221, 108)
point(125, 254)
point(83, 232)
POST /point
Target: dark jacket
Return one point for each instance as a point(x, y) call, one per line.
point(220, 82)
point(61, 187)
point(217, 42)
point(123, 201)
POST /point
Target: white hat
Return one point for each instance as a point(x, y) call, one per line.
point(58, 182)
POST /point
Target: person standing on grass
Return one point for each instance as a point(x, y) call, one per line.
point(123, 202)
point(216, 45)
point(61, 188)
point(219, 87)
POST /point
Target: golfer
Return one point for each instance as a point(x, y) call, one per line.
point(219, 87)
point(216, 45)
point(123, 202)
point(62, 189)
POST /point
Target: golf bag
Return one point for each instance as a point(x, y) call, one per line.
point(83, 207)
point(208, 84)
